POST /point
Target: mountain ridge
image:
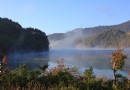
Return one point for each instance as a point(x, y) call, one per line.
point(76, 38)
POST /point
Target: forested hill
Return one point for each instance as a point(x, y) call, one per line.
point(101, 36)
point(108, 39)
point(14, 38)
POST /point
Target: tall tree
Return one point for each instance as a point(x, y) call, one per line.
point(118, 62)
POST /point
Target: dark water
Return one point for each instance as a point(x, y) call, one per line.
point(32, 60)
point(83, 59)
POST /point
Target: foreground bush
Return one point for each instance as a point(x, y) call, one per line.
point(57, 78)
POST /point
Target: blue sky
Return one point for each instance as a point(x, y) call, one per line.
point(57, 16)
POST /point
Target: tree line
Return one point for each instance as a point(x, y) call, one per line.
point(14, 38)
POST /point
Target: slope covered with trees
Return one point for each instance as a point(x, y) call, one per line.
point(107, 39)
point(15, 38)
point(100, 36)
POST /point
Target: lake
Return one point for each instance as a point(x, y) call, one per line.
point(82, 59)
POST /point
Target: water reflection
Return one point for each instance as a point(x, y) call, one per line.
point(98, 59)
point(83, 59)
point(32, 60)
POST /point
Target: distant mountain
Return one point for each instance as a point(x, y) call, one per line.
point(56, 36)
point(14, 38)
point(107, 39)
point(100, 36)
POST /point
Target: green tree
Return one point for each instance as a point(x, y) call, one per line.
point(15, 38)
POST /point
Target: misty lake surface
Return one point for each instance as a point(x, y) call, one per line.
point(82, 59)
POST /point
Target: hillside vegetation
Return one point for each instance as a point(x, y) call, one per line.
point(107, 39)
point(100, 36)
point(15, 38)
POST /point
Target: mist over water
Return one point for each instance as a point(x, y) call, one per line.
point(72, 39)
point(82, 59)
